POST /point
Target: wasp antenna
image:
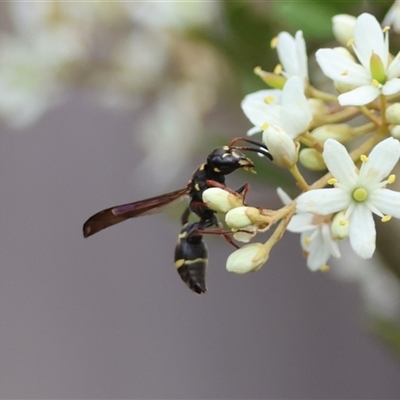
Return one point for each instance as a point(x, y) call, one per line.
point(261, 150)
point(247, 140)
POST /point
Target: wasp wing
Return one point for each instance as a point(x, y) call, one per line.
point(114, 215)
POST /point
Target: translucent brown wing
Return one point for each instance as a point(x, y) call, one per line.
point(114, 215)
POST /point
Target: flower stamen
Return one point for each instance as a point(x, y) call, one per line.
point(265, 126)
point(386, 218)
point(325, 268)
point(364, 158)
point(375, 83)
point(269, 99)
point(391, 178)
point(332, 181)
point(278, 69)
point(274, 42)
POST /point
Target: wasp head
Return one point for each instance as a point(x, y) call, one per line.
point(226, 160)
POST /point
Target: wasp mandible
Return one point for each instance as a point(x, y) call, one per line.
point(190, 251)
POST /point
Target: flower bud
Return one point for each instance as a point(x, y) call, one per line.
point(319, 110)
point(221, 200)
point(395, 132)
point(242, 217)
point(312, 159)
point(340, 132)
point(339, 226)
point(281, 146)
point(248, 258)
point(393, 114)
point(343, 28)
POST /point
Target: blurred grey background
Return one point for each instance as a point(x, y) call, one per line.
point(108, 316)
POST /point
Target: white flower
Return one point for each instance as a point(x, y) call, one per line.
point(357, 192)
point(288, 109)
point(392, 17)
point(315, 236)
point(293, 55)
point(375, 74)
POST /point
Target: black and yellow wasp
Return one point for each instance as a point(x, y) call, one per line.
point(190, 250)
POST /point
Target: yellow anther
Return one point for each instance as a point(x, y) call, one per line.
point(391, 178)
point(386, 218)
point(375, 83)
point(265, 126)
point(343, 222)
point(332, 181)
point(278, 69)
point(350, 42)
point(269, 99)
point(345, 72)
point(274, 42)
point(325, 268)
point(307, 240)
point(386, 28)
point(363, 158)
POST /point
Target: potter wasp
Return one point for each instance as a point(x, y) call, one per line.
point(190, 250)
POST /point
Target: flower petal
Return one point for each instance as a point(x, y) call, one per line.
point(301, 223)
point(329, 241)
point(283, 196)
point(286, 49)
point(393, 69)
point(359, 96)
point(257, 111)
point(368, 39)
point(362, 232)
point(382, 159)
point(295, 113)
point(340, 68)
point(386, 201)
point(301, 52)
point(339, 163)
point(323, 201)
point(318, 252)
point(391, 87)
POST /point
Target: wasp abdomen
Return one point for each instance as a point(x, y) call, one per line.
point(191, 258)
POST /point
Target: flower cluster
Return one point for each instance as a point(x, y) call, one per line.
point(307, 128)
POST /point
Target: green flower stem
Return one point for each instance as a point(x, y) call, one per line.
point(366, 128)
point(370, 115)
point(342, 115)
point(319, 94)
point(383, 104)
point(301, 182)
point(281, 228)
point(310, 141)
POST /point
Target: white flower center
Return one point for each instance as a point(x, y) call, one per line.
point(360, 194)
